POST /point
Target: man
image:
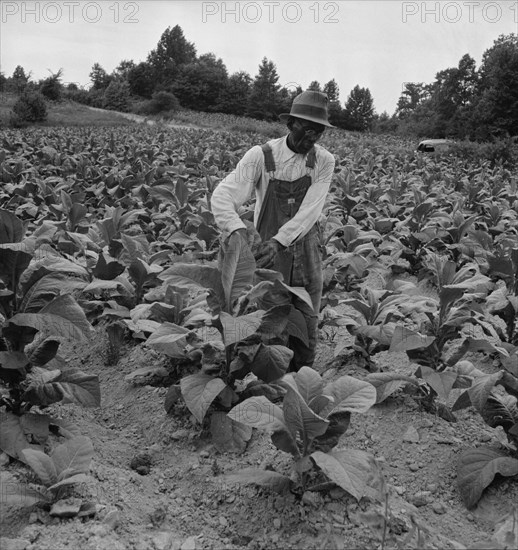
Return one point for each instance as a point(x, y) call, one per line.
point(290, 177)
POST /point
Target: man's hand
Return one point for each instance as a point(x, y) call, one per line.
point(265, 256)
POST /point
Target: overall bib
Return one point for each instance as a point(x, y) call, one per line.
point(301, 262)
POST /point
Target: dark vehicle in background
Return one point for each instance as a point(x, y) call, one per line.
point(435, 146)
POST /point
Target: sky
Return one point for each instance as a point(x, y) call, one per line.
point(377, 44)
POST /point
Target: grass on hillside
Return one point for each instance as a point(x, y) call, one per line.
point(231, 123)
point(65, 113)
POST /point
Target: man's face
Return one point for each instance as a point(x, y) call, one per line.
point(304, 134)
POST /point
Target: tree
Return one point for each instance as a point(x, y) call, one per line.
point(3, 82)
point(117, 96)
point(384, 123)
point(332, 90)
point(451, 96)
point(315, 86)
point(140, 80)
point(233, 98)
point(264, 101)
point(163, 102)
point(335, 113)
point(359, 109)
point(123, 69)
point(200, 84)
point(285, 100)
point(99, 77)
point(496, 109)
point(30, 107)
point(19, 80)
point(412, 96)
point(51, 87)
point(171, 52)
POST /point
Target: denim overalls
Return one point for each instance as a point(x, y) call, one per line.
point(301, 262)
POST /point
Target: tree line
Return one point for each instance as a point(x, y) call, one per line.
point(465, 102)
point(174, 76)
point(462, 102)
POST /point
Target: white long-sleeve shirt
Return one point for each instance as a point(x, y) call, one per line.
point(250, 175)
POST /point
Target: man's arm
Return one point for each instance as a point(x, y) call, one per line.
point(313, 203)
point(233, 191)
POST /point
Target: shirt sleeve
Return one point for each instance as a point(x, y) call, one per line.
point(312, 204)
point(234, 190)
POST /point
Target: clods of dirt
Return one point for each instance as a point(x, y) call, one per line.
point(142, 463)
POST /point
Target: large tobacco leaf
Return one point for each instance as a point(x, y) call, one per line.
point(12, 435)
point(227, 434)
point(481, 389)
point(500, 410)
point(48, 287)
point(47, 260)
point(307, 382)
point(297, 326)
point(201, 276)
point(110, 227)
point(236, 329)
point(44, 352)
point(20, 495)
point(477, 468)
point(36, 425)
point(404, 339)
point(15, 360)
point(73, 457)
point(258, 412)
point(274, 323)
point(66, 464)
point(338, 424)
point(140, 271)
point(11, 227)
point(237, 266)
point(63, 317)
point(107, 270)
point(350, 469)
point(350, 395)
point(300, 419)
point(42, 465)
point(14, 259)
point(300, 296)
point(70, 386)
point(199, 391)
point(380, 333)
point(271, 362)
point(170, 339)
point(387, 383)
point(285, 441)
point(441, 382)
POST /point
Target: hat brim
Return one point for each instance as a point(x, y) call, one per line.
point(284, 117)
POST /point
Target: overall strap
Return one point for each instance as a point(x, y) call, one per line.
point(269, 163)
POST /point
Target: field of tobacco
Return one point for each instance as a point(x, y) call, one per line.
point(145, 401)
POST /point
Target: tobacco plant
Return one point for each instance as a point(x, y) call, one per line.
point(35, 318)
point(309, 426)
point(494, 396)
point(380, 312)
point(235, 337)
